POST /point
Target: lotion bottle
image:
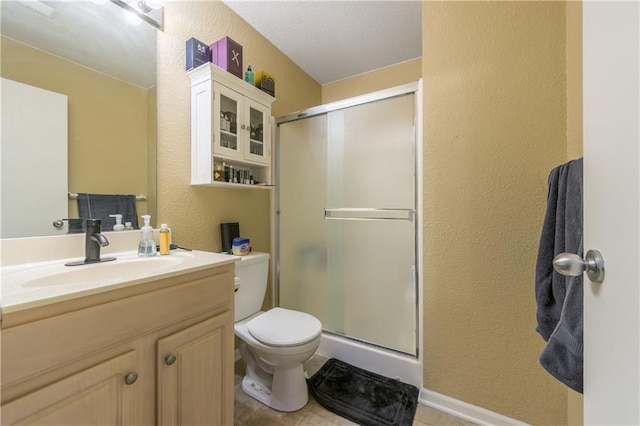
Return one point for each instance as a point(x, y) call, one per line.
point(249, 77)
point(118, 226)
point(147, 246)
point(165, 239)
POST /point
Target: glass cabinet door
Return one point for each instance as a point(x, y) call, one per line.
point(258, 130)
point(227, 141)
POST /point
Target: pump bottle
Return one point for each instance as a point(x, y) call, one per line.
point(147, 246)
point(118, 226)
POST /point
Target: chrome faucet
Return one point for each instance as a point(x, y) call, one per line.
point(93, 241)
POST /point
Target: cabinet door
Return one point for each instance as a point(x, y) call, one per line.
point(227, 110)
point(195, 374)
point(96, 396)
point(258, 130)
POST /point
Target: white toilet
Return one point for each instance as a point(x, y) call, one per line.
point(275, 343)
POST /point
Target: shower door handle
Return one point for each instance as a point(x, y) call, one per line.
point(369, 214)
point(572, 265)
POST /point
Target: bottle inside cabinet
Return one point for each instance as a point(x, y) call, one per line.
point(228, 123)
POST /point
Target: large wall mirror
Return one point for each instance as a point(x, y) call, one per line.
point(105, 65)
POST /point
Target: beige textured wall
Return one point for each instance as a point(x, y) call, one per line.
point(107, 120)
point(494, 126)
point(394, 75)
point(574, 79)
point(194, 213)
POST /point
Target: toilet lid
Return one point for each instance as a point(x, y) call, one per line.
point(283, 327)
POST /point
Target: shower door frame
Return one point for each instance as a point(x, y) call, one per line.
point(409, 365)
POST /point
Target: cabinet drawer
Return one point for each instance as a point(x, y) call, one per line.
point(37, 347)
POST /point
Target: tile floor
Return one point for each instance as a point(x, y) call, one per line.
point(249, 412)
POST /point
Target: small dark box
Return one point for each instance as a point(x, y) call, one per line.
point(228, 231)
point(227, 54)
point(197, 53)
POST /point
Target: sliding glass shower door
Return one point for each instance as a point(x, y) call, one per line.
point(347, 234)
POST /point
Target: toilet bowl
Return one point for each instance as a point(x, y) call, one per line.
point(274, 344)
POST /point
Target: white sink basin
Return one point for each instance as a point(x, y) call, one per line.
point(29, 285)
point(115, 271)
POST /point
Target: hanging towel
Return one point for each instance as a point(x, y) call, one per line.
point(559, 298)
point(100, 206)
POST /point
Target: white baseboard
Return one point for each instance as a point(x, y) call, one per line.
point(236, 356)
point(465, 411)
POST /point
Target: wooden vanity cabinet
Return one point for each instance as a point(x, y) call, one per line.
point(185, 360)
point(93, 396)
point(154, 353)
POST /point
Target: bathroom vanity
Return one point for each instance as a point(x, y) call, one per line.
point(143, 348)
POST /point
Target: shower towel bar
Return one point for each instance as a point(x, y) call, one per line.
point(73, 196)
point(369, 214)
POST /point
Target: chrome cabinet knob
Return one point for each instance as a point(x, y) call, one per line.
point(572, 265)
point(131, 378)
point(170, 359)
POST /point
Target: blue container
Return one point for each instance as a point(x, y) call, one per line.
point(241, 246)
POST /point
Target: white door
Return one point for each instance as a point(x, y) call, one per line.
point(33, 148)
point(611, 34)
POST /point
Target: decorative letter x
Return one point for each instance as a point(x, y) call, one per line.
point(235, 57)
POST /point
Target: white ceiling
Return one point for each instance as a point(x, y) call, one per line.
point(333, 40)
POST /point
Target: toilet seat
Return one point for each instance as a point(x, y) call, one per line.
point(284, 327)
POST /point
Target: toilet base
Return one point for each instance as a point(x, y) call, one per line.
point(288, 391)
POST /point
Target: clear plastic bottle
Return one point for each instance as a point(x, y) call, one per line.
point(147, 246)
point(165, 239)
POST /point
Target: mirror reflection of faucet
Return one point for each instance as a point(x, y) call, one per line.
point(94, 240)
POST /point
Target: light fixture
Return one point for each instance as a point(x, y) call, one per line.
point(132, 16)
point(150, 11)
point(153, 4)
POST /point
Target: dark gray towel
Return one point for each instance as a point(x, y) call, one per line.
point(100, 206)
point(559, 298)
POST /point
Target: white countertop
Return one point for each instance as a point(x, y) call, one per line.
point(32, 284)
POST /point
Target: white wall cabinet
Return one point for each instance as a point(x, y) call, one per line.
point(157, 353)
point(230, 124)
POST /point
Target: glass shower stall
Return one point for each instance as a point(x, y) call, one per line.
point(346, 204)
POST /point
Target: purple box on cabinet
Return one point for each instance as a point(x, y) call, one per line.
point(227, 54)
point(197, 53)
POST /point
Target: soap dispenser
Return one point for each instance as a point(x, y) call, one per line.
point(147, 246)
point(118, 226)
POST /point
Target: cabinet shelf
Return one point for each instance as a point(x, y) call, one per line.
point(219, 100)
point(237, 185)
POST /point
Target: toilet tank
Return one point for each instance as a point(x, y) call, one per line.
point(252, 272)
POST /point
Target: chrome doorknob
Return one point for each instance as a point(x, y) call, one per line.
point(572, 265)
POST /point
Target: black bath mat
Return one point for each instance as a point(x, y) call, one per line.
point(364, 397)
